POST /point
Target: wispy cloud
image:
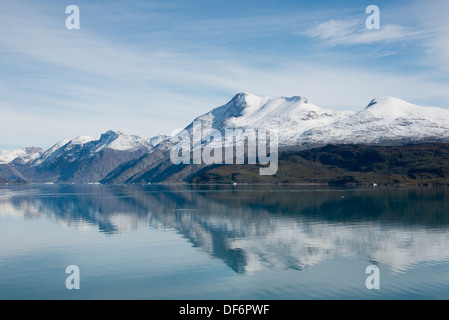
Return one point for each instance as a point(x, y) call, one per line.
point(152, 71)
point(433, 18)
point(344, 32)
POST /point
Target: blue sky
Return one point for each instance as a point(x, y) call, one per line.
point(148, 67)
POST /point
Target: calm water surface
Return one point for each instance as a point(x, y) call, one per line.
point(223, 242)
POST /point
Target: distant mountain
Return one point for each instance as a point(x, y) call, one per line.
point(385, 121)
point(15, 161)
point(302, 125)
point(86, 160)
point(79, 160)
point(10, 174)
point(20, 157)
point(155, 141)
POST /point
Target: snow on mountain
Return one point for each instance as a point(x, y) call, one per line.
point(6, 156)
point(385, 120)
point(153, 142)
point(85, 159)
point(50, 152)
point(119, 141)
point(240, 106)
point(67, 149)
point(290, 116)
point(85, 147)
point(299, 122)
point(21, 156)
point(81, 140)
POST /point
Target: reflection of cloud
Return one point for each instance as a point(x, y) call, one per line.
point(25, 210)
point(247, 238)
point(125, 222)
point(303, 244)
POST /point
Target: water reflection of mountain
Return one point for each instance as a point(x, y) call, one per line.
point(254, 228)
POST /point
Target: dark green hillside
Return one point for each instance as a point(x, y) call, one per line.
point(424, 164)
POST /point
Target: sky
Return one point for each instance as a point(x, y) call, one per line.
point(148, 67)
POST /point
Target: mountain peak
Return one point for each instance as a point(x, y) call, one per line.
point(253, 100)
point(244, 99)
point(389, 102)
point(296, 99)
point(111, 134)
point(117, 140)
point(239, 96)
point(242, 95)
point(20, 156)
point(81, 140)
point(154, 141)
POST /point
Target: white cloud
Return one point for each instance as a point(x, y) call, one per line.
point(353, 32)
point(433, 17)
point(82, 83)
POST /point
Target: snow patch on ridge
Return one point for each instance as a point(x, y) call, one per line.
point(22, 156)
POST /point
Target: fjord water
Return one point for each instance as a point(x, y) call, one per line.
point(223, 242)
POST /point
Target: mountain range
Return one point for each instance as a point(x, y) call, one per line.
point(117, 157)
point(79, 160)
point(385, 120)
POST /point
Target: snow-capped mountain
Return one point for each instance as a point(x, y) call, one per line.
point(292, 115)
point(79, 160)
point(116, 140)
point(385, 120)
point(50, 152)
point(118, 157)
point(301, 125)
point(12, 163)
point(85, 159)
point(68, 149)
point(155, 141)
point(84, 147)
point(21, 156)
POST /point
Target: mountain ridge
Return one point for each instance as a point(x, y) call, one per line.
point(302, 126)
point(121, 158)
point(84, 159)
